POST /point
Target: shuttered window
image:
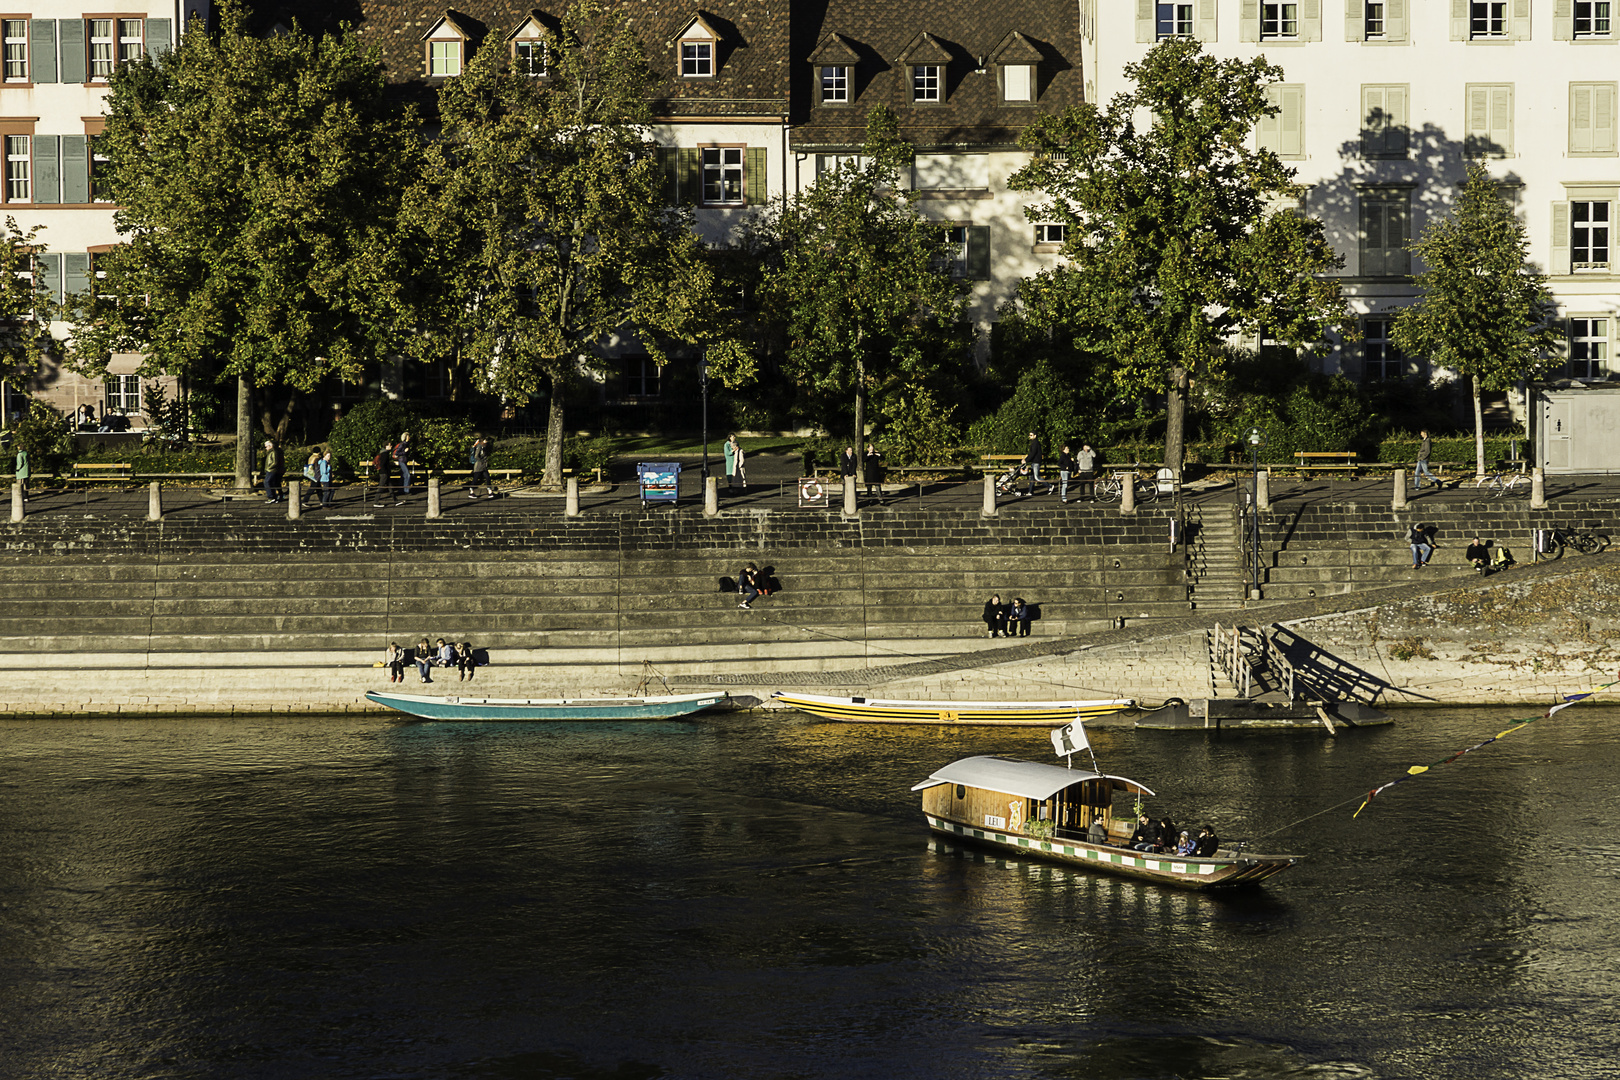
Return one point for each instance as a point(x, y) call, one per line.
point(1386, 228)
point(1592, 119)
point(1284, 133)
point(1156, 21)
point(1488, 124)
point(1375, 20)
point(1383, 121)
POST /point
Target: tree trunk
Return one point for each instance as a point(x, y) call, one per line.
point(1479, 432)
point(244, 434)
point(553, 478)
point(860, 416)
point(1175, 421)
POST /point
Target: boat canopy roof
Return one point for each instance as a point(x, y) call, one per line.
point(1030, 779)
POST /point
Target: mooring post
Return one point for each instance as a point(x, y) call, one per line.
point(154, 502)
point(851, 506)
point(989, 509)
point(16, 501)
point(295, 499)
point(1398, 502)
point(711, 496)
point(433, 498)
point(1538, 489)
point(1127, 493)
point(571, 504)
point(1262, 490)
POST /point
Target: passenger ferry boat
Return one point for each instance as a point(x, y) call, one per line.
point(864, 710)
point(1029, 808)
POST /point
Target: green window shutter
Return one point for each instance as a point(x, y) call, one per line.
point(1558, 261)
point(1249, 21)
point(1520, 30)
point(75, 168)
point(689, 175)
point(48, 269)
point(755, 177)
point(1502, 120)
point(1355, 14)
point(666, 168)
point(1146, 26)
point(1459, 20)
point(47, 169)
point(1206, 28)
point(1563, 20)
point(978, 253)
point(75, 272)
point(70, 32)
point(159, 37)
point(1310, 20)
point(42, 50)
point(1395, 20)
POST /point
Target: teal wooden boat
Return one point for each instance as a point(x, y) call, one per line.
point(427, 707)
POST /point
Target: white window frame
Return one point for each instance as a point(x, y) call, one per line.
point(1595, 21)
point(120, 390)
point(131, 39)
point(1049, 233)
point(1372, 20)
point(1378, 351)
point(525, 51)
point(927, 84)
point(832, 81)
point(16, 51)
point(101, 37)
point(19, 168)
point(1593, 235)
point(697, 58)
point(1279, 21)
point(1488, 19)
point(1172, 20)
point(1589, 347)
point(723, 167)
point(444, 57)
point(956, 249)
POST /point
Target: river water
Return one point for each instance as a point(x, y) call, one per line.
point(756, 897)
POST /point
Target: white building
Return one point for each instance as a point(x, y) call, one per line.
point(1382, 103)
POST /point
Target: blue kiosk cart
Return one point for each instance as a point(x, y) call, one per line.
point(660, 481)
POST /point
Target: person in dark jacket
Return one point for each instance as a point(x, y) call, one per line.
point(849, 465)
point(1032, 458)
point(272, 471)
point(1208, 842)
point(995, 617)
point(749, 585)
point(1065, 467)
point(1146, 836)
point(874, 473)
point(1421, 469)
point(1479, 555)
point(1018, 620)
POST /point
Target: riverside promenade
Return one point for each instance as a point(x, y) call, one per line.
point(228, 607)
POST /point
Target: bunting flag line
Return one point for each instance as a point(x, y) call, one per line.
point(1419, 770)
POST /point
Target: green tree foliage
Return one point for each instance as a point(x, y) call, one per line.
point(258, 183)
point(25, 308)
point(1483, 311)
point(44, 433)
point(859, 284)
point(1178, 236)
point(1043, 402)
point(544, 225)
point(921, 431)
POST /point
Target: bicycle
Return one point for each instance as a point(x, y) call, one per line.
point(1585, 542)
point(1502, 483)
point(1111, 487)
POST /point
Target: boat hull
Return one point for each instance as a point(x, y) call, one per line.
point(426, 707)
point(857, 710)
point(1224, 870)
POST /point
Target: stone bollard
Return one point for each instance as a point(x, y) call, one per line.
point(295, 499)
point(433, 498)
point(571, 503)
point(1538, 489)
point(1127, 493)
point(851, 506)
point(989, 496)
point(1262, 491)
point(711, 496)
point(1399, 501)
point(154, 502)
point(17, 510)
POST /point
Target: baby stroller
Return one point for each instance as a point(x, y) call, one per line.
point(1008, 481)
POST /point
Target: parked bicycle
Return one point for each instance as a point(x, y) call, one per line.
point(1111, 487)
point(1586, 542)
point(1504, 482)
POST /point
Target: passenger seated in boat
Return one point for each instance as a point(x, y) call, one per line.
point(1146, 836)
point(1167, 835)
point(1208, 842)
point(1098, 833)
point(1186, 845)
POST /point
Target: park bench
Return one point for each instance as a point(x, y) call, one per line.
point(108, 472)
point(1340, 461)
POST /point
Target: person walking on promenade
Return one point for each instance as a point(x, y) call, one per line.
point(1032, 458)
point(734, 457)
point(479, 460)
point(748, 585)
point(312, 481)
point(1085, 464)
point(849, 465)
point(381, 466)
point(402, 459)
point(272, 471)
point(323, 473)
point(995, 617)
point(1065, 467)
point(874, 474)
point(1421, 469)
point(22, 471)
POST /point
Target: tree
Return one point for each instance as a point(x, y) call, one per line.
point(258, 183)
point(860, 281)
point(1178, 235)
point(545, 228)
point(1482, 312)
point(25, 309)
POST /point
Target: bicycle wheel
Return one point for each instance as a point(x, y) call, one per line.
point(1146, 491)
point(1108, 490)
point(1585, 543)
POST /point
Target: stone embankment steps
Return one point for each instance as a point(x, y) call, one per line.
point(1218, 580)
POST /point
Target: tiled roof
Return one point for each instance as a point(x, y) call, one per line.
point(885, 33)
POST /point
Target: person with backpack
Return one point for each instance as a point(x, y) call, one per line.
point(311, 479)
point(381, 465)
point(272, 471)
point(402, 458)
point(478, 458)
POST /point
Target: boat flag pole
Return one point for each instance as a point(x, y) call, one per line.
point(1071, 738)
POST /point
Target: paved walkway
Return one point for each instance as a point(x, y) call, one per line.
point(773, 486)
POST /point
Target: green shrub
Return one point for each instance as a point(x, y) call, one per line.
point(360, 433)
point(1043, 403)
point(442, 443)
point(921, 432)
point(44, 434)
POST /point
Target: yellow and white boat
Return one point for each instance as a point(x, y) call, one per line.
point(865, 710)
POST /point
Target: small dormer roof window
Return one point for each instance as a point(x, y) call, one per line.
point(927, 62)
point(529, 46)
point(834, 59)
point(699, 47)
point(1017, 60)
point(445, 47)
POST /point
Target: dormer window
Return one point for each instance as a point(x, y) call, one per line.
point(1017, 61)
point(698, 45)
point(1017, 82)
point(925, 82)
point(927, 63)
point(528, 44)
point(446, 48)
point(834, 58)
point(834, 84)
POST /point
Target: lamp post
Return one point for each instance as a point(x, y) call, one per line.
point(1257, 439)
point(703, 383)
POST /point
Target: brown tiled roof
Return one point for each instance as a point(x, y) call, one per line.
point(883, 32)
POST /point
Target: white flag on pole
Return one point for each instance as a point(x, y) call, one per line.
point(1069, 739)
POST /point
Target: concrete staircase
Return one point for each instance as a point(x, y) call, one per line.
point(1216, 557)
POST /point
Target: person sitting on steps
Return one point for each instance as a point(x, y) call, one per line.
point(1479, 555)
point(748, 585)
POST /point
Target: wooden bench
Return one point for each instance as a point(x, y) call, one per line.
point(998, 457)
point(1309, 461)
point(109, 472)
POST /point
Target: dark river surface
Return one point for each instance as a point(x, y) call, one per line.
point(757, 897)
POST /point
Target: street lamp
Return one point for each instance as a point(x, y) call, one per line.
point(703, 382)
point(1257, 439)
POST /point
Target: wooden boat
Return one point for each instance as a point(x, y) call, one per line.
point(469, 708)
point(1027, 808)
point(863, 710)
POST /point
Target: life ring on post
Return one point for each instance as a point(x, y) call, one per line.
point(811, 491)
